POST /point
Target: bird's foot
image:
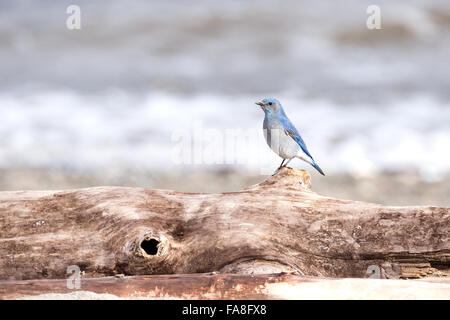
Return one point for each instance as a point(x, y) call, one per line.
point(278, 170)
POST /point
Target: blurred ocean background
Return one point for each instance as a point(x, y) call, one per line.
point(101, 105)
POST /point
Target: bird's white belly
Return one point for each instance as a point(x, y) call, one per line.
point(282, 144)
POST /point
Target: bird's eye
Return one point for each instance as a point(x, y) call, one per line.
point(270, 103)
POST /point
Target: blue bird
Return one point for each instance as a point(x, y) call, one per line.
point(282, 136)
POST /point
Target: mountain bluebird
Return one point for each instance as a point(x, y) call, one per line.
point(282, 136)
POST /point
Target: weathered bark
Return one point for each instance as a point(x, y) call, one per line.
point(225, 286)
point(277, 225)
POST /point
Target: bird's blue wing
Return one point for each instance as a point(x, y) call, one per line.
point(291, 131)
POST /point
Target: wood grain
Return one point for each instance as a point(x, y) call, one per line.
point(279, 225)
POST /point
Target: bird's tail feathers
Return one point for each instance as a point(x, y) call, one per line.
point(316, 166)
point(313, 163)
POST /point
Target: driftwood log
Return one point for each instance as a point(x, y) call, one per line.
point(279, 225)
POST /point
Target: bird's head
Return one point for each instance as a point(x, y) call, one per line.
point(270, 105)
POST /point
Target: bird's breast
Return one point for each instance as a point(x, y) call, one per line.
point(279, 141)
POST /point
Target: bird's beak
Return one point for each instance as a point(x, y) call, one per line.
point(260, 104)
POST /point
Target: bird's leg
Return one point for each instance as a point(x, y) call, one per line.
point(278, 169)
point(281, 164)
point(287, 162)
